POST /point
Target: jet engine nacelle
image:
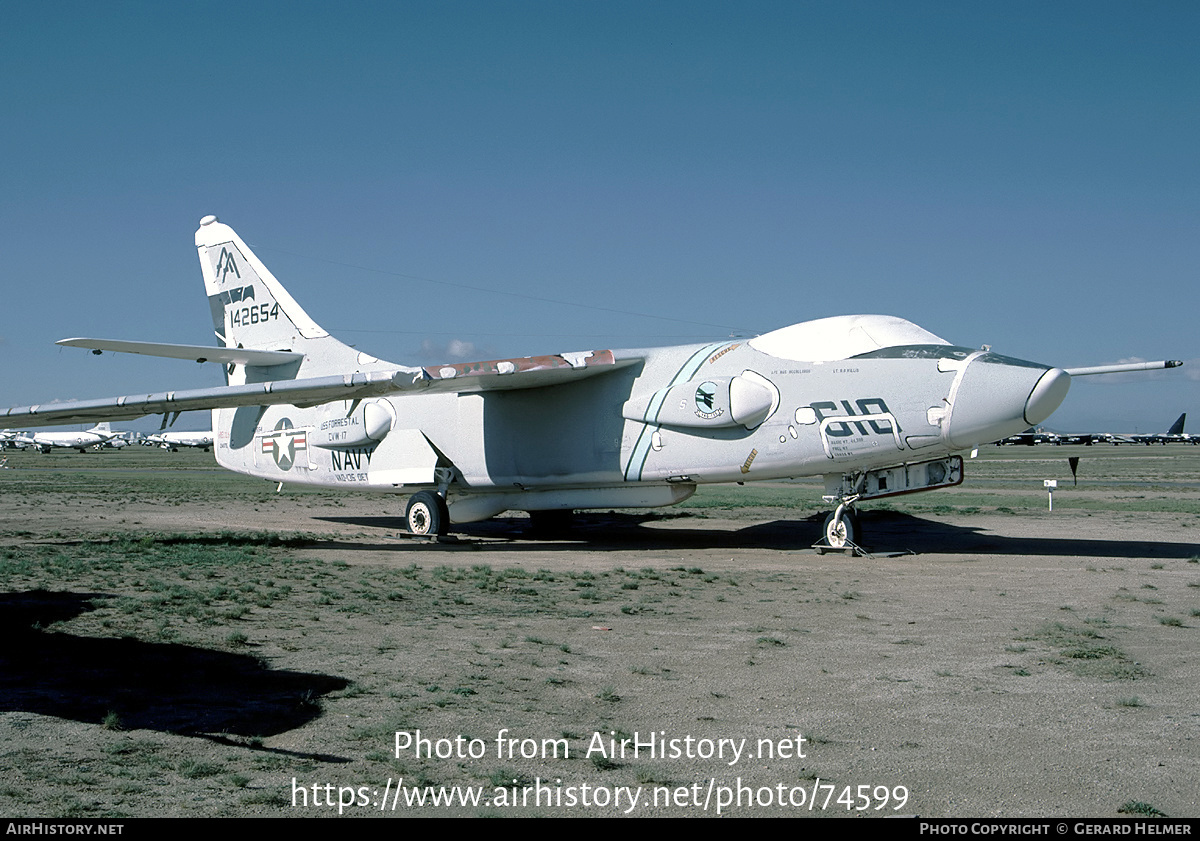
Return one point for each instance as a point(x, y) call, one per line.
point(367, 424)
point(745, 400)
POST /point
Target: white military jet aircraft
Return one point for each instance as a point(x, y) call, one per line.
point(10, 439)
point(97, 436)
point(174, 440)
point(875, 404)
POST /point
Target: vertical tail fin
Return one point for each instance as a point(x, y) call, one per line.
point(1177, 427)
point(251, 309)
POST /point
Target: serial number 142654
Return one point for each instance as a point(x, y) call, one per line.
point(254, 315)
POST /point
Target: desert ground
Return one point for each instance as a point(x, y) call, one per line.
point(186, 642)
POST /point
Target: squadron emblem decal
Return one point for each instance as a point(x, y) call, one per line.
point(283, 443)
point(225, 265)
point(706, 399)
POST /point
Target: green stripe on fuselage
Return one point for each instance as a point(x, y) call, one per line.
point(641, 450)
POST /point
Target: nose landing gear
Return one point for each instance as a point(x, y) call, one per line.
point(842, 529)
point(842, 532)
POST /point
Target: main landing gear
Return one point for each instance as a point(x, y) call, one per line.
point(427, 514)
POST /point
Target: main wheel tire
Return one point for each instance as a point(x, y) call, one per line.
point(843, 532)
point(427, 514)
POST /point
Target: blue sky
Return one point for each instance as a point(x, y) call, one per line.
point(443, 179)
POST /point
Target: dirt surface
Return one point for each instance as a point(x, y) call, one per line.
point(1019, 663)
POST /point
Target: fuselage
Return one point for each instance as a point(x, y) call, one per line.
point(69, 440)
point(174, 440)
point(834, 396)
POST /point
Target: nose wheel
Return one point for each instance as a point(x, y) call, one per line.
point(842, 530)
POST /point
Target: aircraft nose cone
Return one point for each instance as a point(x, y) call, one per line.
point(998, 396)
point(1047, 395)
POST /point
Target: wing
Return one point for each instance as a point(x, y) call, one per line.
point(492, 375)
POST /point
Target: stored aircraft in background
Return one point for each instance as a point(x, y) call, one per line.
point(98, 436)
point(174, 440)
point(874, 403)
point(13, 440)
point(1029, 438)
point(1175, 435)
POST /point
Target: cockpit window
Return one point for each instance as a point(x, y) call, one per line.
point(918, 352)
point(945, 352)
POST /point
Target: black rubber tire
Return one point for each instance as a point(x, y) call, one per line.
point(427, 514)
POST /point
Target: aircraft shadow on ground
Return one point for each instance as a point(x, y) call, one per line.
point(155, 686)
point(884, 531)
point(890, 529)
point(592, 531)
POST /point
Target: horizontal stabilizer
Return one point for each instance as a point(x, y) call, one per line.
point(198, 353)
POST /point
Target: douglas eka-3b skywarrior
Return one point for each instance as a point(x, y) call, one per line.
point(875, 404)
